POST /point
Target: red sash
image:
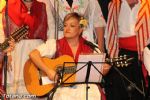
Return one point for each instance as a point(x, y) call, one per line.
point(128, 43)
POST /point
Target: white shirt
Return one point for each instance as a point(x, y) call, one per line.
point(127, 19)
point(146, 59)
point(47, 49)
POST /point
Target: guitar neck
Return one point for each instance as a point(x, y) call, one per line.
point(17, 35)
point(4, 45)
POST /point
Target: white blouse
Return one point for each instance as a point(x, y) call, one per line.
point(127, 19)
point(47, 49)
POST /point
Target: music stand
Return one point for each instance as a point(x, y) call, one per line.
point(91, 65)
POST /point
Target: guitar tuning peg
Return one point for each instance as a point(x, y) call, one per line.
point(122, 65)
point(118, 65)
point(126, 64)
point(121, 56)
point(107, 60)
point(129, 59)
point(124, 56)
point(121, 62)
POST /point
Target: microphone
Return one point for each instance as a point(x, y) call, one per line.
point(91, 45)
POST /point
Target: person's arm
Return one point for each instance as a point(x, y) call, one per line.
point(99, 24)
point(100, 37)
point(11, 46)
point(46, 49)
point(9, 49)
point(35, 56)
point(106, 68)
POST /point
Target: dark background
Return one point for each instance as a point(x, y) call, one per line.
point(104, 7)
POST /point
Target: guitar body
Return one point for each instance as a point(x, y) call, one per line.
point(31, 74)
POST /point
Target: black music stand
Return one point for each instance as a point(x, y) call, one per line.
point(88, 65)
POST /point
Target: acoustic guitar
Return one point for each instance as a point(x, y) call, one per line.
point(32, 75)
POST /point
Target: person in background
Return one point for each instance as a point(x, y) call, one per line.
point(33, 14)
point(2, 38)
point(146, 56)
point(90, 9)
point(2, 53)
point(72, 44)
point(127, 32)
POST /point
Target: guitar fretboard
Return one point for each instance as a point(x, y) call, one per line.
point(4, 45)
point(17, 36)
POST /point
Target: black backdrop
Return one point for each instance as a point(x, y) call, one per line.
point(104, 7)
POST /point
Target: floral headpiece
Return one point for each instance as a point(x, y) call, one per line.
point(83, 22)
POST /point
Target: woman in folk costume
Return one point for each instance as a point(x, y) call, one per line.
point(2, 34)
point(72, 44)
point(2, 38)
point(90, 9)
point(33, 14)
point(127, 32)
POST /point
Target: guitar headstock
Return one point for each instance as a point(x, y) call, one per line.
point(20, 33)
point(120, 61)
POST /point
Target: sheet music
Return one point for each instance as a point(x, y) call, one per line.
point(46, 80)
point(95, 76)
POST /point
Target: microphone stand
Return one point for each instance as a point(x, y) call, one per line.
point(133, 85)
